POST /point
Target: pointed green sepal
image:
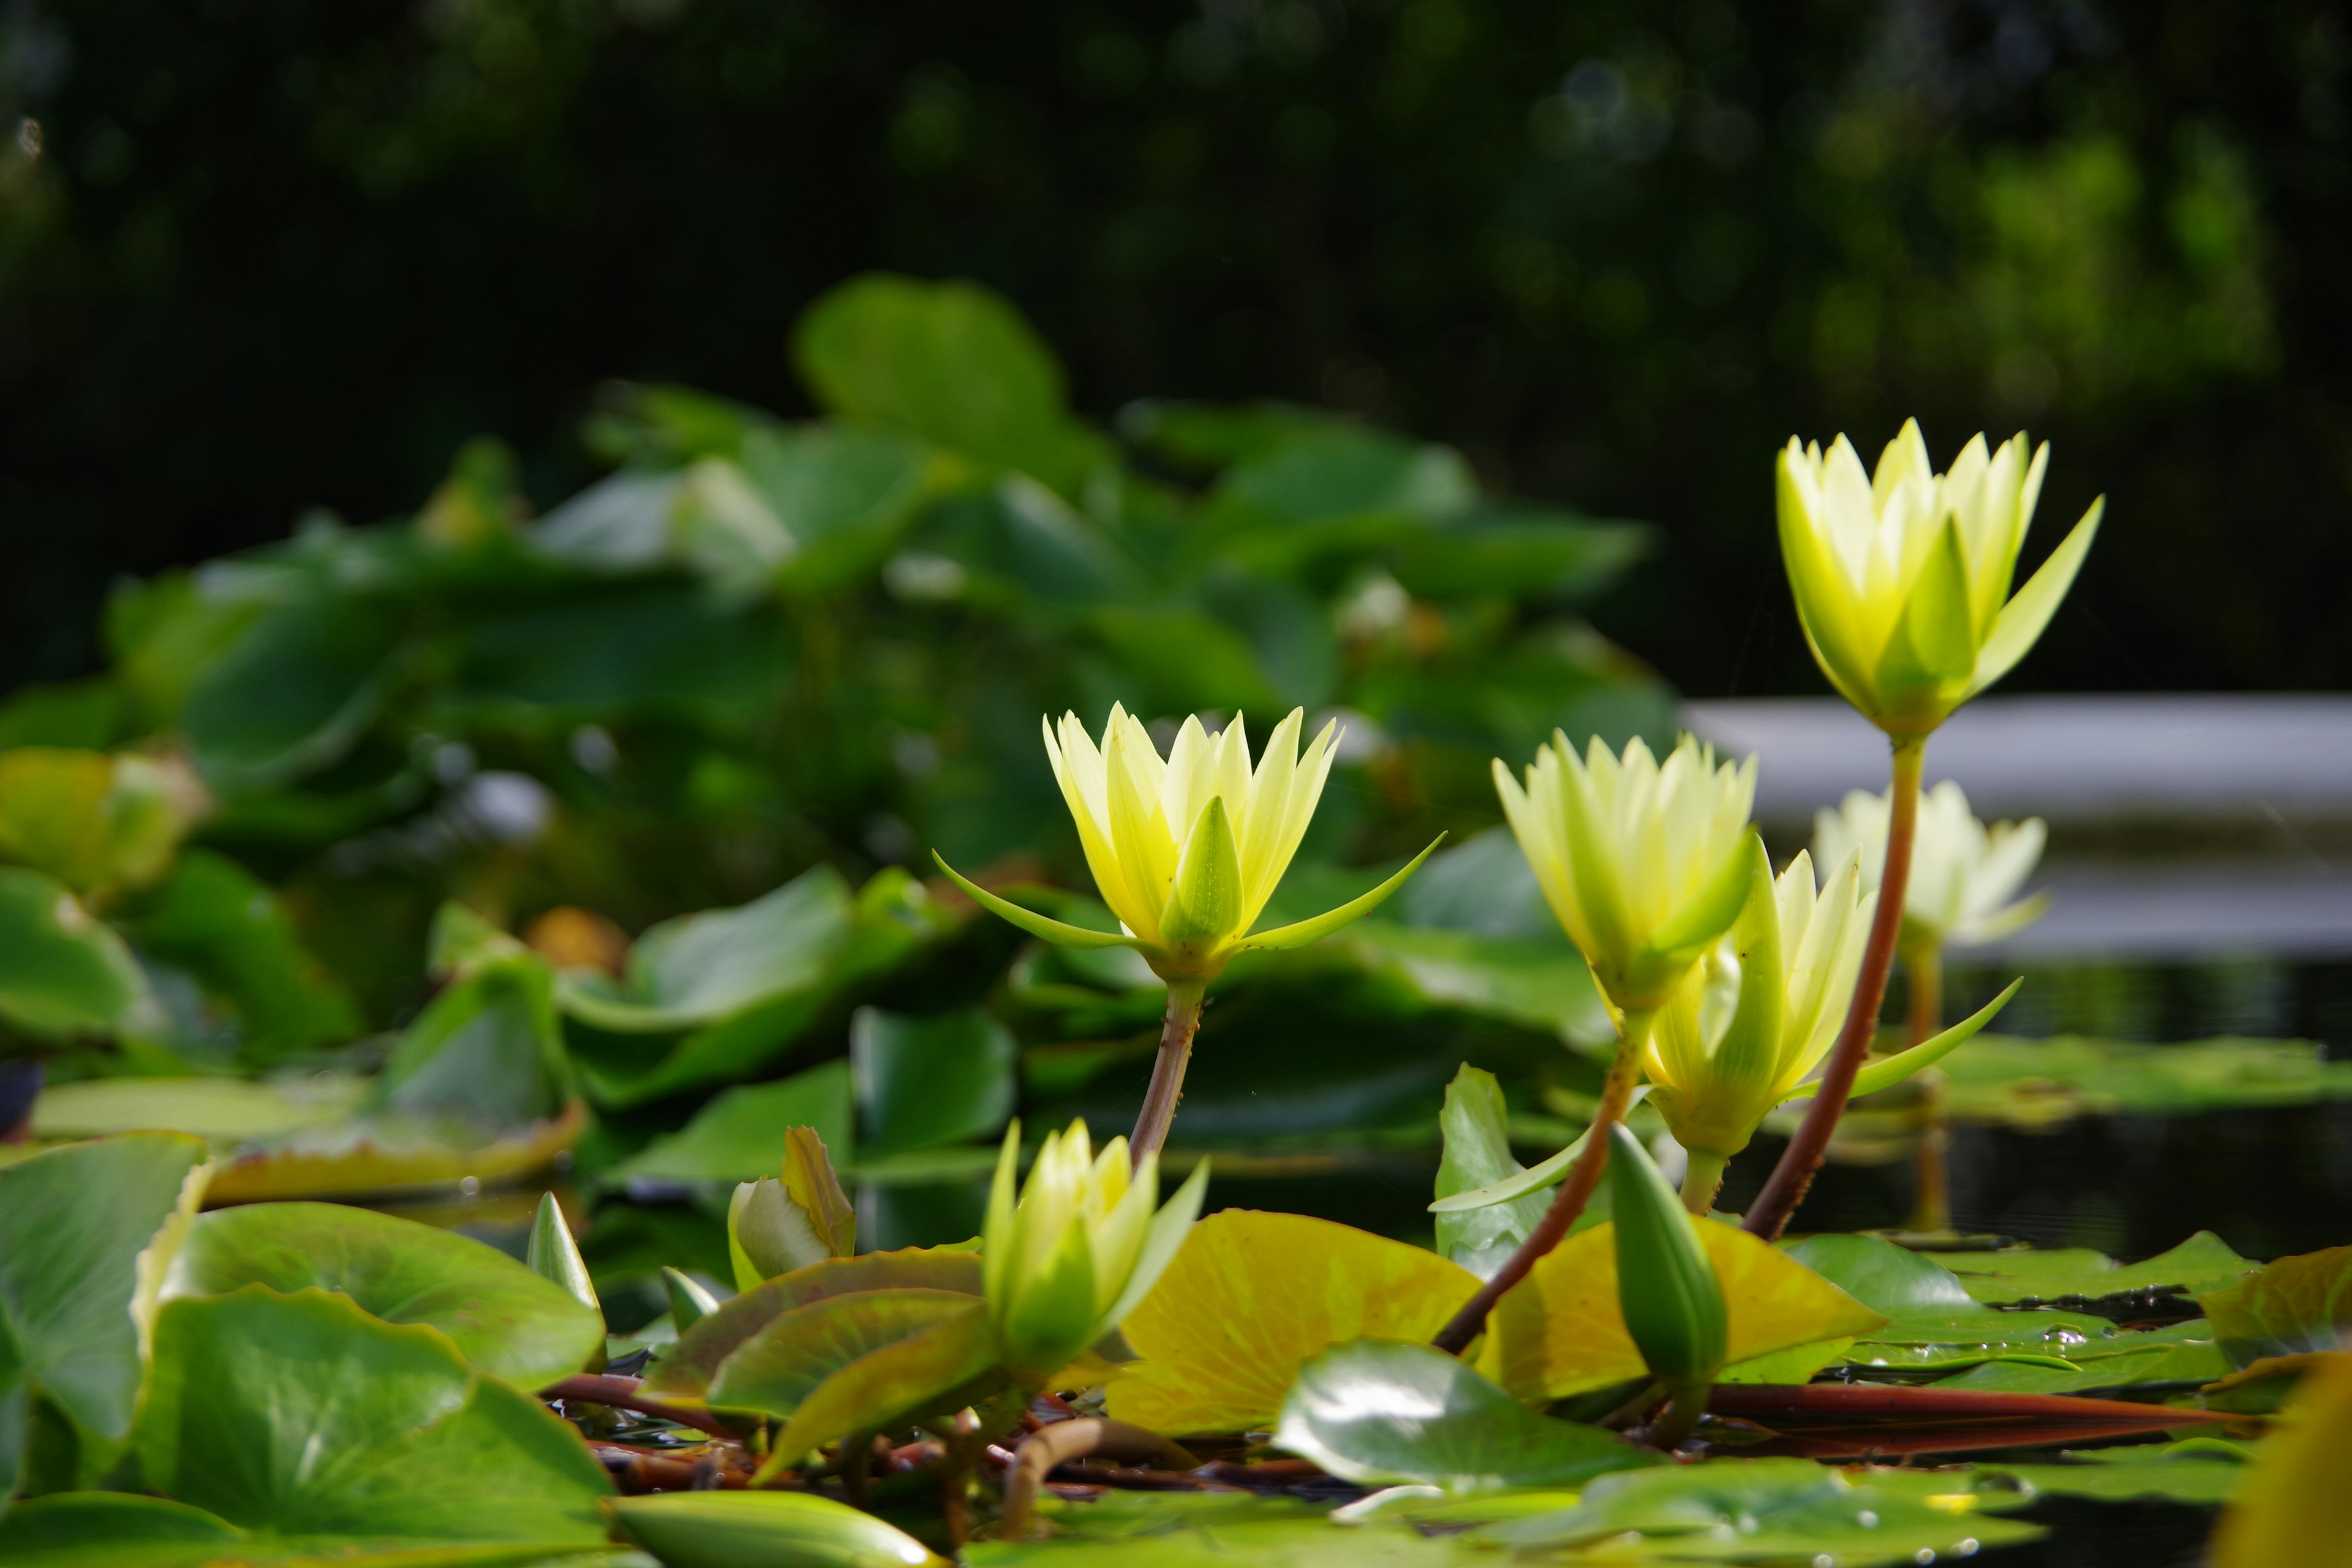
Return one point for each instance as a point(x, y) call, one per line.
point(1320, 926)
point(1205, 903)
point(1060, 932)
point(1888, 1071)
point(1161, 1241)
point(553, 1255)
point(1534, 1179)
point(2019, 622)
point(1675, 946)
point(689, 1303)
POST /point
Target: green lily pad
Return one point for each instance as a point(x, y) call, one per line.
point(2041, 1083)
point(1217, 1530)
point(2201, 1471)
point(84, 1232)
point(225, 1111)
point(777, 1368)
point(701, 968)
point(1932, 1320)
point(1758, 1510)
point(2179, 1353)
point(2294, 1305)
point(738, 1135)
point(1379, 1411)
point(502, 1317)
point(301, 1416)
point(2203, 1262)
point(927, 1081)
point(923, 1375)
point(688, 1370)
point(117, 1529)
point(63, 972)
point(762, 1528)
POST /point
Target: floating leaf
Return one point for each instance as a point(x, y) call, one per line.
point(1761, 1510)
point(302, 1416)
point(2041, 1083)
point(777, 1368)
point(762, 1528)
point(703, 967)
point(1560, 1330)
point(738, 1135)
point(1379, 1411)
point(1216, 1529)
point(506, 1320)
point(926, 1081)
point(118, 1530)
point(97, 823)
point(391, 1153)
point(2176, 1353)
point(1252, 1297)
point(85, 1233)
point(687, 1370)
point(1931, 1319)
point(2295, 1304)
point(2201, 1471)
point(62, 971)
point(295, 688)
point(215, 920)
point(225, 1111)
point(925, 1376)
point(2203, 1262)
point(1475, 1126)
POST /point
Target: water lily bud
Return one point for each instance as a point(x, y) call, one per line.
point(1666, 1286)
point(1187, 851)
point(1078, 1249)
point(1901, 577)
point(553, 1255)
point(689, 1303)
point(775, 1227)
point(1645, 864)
point(1963, 873)
point(762, 1528)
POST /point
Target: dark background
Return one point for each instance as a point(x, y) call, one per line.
point(261, 255)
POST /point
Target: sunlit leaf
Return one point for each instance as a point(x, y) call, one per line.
point(1559, 1331)
point(62, 971)
point(1932, 1321)
point(1252, 1297)
point(2293, 1507)
point(226, 1111)
point(2204, 1262)
point(97, 823)
point(1216, 1529)
point(503, 1318)
point(2040, 1083)
point(2201, 1471)
point(738, 1133)
point(391, 1153)
point(1379, 1411)
point(86, 1232)
point(919, 1377)
point(702, 967)
point(1475, 1126)
point(119, 1530)
point(300, 1415)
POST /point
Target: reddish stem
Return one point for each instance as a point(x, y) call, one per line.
point(1793, 1176)
point(621, 1392)
point(1176, 1032)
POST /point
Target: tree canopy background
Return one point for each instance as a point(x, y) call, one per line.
point(258, 255)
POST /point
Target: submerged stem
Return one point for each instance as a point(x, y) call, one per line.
point(1931, 1212)
point(1768, 1215)
point(1616, 1091)
point(1701, 1179)
point(1184, 1021)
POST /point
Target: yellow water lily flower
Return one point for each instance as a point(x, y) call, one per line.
point(1757, 1015)
point(1187, 851)
point(1080, 1248)
point(1964, 874)
point(1644, 863)
point(1902, 577)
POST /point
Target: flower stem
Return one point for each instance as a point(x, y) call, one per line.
point(1176, 1034)
point(1786, 1188)
point(1680, 1417)
point(1616, 1091)
point(1701, 1179)
point(1931, 1212)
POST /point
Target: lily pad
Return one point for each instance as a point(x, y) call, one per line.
point(1932, 1321)
point(2294, 1305)
point(225, 1111)
point(1476, 1127)
point(1760, 1510)
point(1379, 1411)
point(2202, 1471)
point(117, 1529)
point(63, 972)
point(2041, 1083)
point(700, 968)
point(1560, 1332)
point(921, 1376)
point(2179, 1353)
point(688, 1371)
point(301, 1416)
point(927, 1081)
point(1216, 1529)
point(2204, 1262)
point(777, 1368)
point(738, 1135)
point(1250, 1298)
point(503, 1318)
point(85, 1233)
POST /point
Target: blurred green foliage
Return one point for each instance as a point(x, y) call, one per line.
point(264, 256)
